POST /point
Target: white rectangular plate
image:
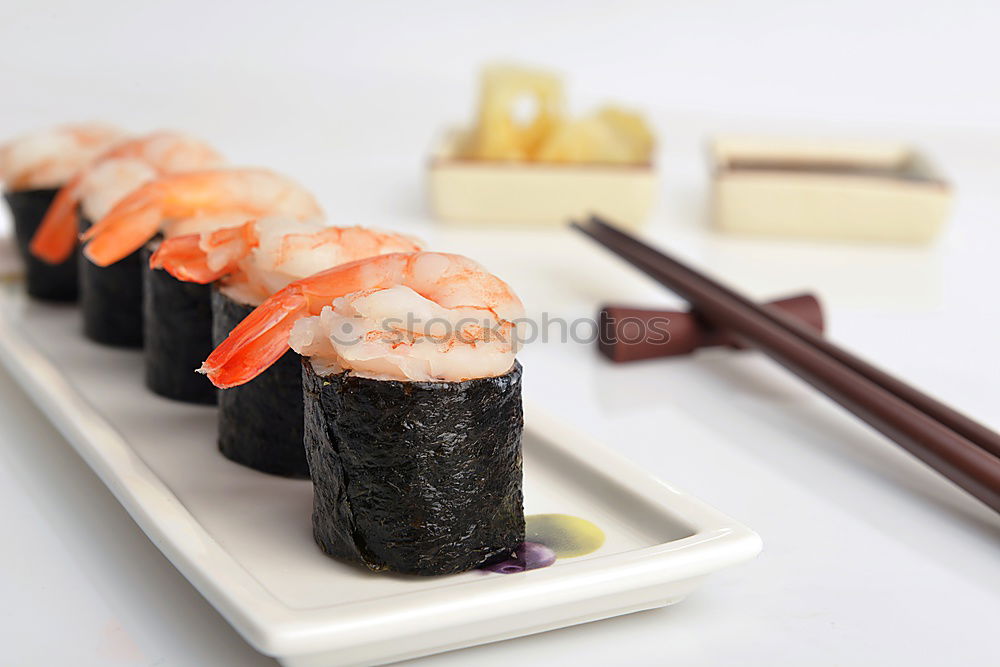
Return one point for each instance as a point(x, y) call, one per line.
point(244, 538)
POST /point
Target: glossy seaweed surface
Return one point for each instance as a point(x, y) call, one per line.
point(177, 326)
point(111, 299)
point(49, 282)
point(415, 477)
point(260, 423)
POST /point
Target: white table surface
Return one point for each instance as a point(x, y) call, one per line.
point(869, 557)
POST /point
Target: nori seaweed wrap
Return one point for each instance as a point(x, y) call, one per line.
point(49, 282)
point(111, 299)
point(260, 422)
point(177, 327)
point(415, 477)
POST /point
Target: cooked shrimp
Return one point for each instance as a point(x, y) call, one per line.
point(207, 257)
point(137, 218)
point(48, 158)
point(164, 152)
point(451, 282)
point(263, 256)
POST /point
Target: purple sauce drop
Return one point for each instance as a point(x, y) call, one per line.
point(528, 556)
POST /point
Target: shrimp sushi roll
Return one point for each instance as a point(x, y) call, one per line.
point(176, 314)
point(33, 168)
point(111, 283)
point(260, 422)
point(177, 204)
point(174, 344)
point(111, 299)
point(413, 414)
point(48, 282)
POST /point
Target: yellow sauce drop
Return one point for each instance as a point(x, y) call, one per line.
point(568, 536)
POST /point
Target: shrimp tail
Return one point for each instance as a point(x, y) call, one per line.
point(130, 224)
point(258, 341)
point(196, 260)
point(262, 337)
point(182, 258)
point(55, 238)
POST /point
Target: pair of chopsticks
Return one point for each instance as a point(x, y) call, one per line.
point(961, 449)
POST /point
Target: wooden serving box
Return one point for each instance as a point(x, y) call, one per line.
point(826, 190)
point(531, 193)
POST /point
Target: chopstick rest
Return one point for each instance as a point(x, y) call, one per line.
point(633, 334)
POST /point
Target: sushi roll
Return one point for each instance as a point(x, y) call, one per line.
point(111, 299)
point(48, 282)
point(174, 345)
point(111, 292)
point(177, 321)
point(177, 312)
point(413, 414)
point(437, 500)
point(260, 422)
point(33, 168)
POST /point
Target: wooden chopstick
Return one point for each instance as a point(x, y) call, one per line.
point(863, 389)
point(956, 421)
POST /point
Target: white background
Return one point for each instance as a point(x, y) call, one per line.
point(869, 558)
